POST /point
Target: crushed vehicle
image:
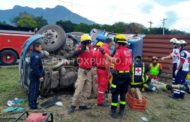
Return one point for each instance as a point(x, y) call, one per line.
point(60, 46)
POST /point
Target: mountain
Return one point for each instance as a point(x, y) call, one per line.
point(50, 14)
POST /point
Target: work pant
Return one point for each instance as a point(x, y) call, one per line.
point(82, 87)
point(158, 84)
point(94, 85)
point(174, 68)
point(181, 77)
point(119, 86)
point(103, 80)
point(33, 91)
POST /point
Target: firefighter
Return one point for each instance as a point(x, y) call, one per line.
point(121, 77)
point(83, 83)
point(183, 66)
point(102, 70)
point(94, 90)
point(155, 68)
point(175, 55)
point(36, 75)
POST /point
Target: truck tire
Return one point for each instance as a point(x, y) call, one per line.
point(8, 57)
point(54, 38)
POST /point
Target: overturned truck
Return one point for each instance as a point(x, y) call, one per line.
point(60, 45)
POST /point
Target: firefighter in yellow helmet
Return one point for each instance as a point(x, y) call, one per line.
point(122, 60)
point(94, 85)
point(83, 84)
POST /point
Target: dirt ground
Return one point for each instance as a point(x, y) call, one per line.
point(160, 108)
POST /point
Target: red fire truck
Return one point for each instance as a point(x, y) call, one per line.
point(11, 43)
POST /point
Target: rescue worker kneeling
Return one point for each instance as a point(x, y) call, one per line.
point(138, 78)
point(83, 83)
point(121, 77)
point(155, 68)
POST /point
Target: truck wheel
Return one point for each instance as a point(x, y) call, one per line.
point(54, 37)
point(8, 57)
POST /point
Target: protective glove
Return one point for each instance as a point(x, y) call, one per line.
point(176, 72)
point(41, 79)
point(102, 50)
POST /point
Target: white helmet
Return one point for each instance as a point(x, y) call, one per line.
point(183, 42)
point(178, 42)
point(173, 40)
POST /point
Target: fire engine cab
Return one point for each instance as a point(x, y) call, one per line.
point(11, 43)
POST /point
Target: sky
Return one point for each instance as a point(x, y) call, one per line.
point(111, 11)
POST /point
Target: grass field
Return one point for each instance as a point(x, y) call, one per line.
point(9, 84)
point(160, 107)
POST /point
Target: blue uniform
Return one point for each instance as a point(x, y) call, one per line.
point(36, 72)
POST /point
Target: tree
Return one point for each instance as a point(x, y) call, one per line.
point(119, 27)
point(83, 28)
point(134, 28)
point(26, 20)
point(177, 32)
point(107, 28)
point(68, 26)
point(40, 21)
point(97, 26)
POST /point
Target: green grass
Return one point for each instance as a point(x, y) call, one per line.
point(160, 107)
point(9, 84)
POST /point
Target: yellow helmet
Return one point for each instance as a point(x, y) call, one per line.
point(120, 38)
point(183, 42)
point(85, 37)
point(99, 44)
point(173, 40)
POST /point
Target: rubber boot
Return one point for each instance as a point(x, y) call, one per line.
point(72, 109)
point(113, 114)
point(122, 113)
point(182, 94)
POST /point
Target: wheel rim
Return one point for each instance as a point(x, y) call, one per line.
point(8, 58)
point(51, 36)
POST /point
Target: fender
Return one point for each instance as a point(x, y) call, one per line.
point(29, 42)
